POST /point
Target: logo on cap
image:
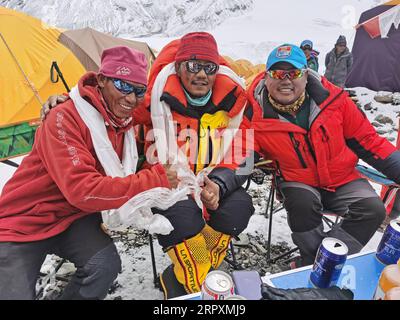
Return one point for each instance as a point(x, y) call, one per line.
point(284, 52)
point(123, 71)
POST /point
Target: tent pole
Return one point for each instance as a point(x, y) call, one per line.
point(10, 163)
point(54, 66)
point(35, 92)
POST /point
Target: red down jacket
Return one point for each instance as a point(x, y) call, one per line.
point(61, 180)
point(325, 156)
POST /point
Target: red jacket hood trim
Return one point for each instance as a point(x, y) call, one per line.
point(222, 87)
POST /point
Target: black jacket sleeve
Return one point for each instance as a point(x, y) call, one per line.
point(230, 180)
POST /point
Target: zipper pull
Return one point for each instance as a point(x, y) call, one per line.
point(325, 134)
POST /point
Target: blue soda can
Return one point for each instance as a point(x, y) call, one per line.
point(388, 251)
point(329, 262)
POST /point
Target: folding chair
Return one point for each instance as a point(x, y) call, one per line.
point(270, 208)
point(368, 173)
point(262, 169)
point(390, 186)
point(379, 178)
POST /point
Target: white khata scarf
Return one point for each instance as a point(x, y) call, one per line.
point(137, 211)
point(165, 135)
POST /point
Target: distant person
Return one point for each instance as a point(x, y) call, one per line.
point(338, 63)
point(53, 203)
point(311, 54)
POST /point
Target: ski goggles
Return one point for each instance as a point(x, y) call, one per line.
point(282, 74)
point(127, 88)
point(195, 67)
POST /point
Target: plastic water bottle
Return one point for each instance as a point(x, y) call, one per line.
point(390, 279)
point(393, 294)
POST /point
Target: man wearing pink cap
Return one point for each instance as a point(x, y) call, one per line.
point(192, 83)
point(52, 204)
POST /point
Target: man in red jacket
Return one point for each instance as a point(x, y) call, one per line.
point(52, 203)
point(315, 134)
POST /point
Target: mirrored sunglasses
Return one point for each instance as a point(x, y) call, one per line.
point(195, 67)
point(290, 74)
point(127, 88)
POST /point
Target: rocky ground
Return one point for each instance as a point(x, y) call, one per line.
point(250, 253)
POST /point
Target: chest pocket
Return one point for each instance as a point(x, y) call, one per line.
point(210, 133)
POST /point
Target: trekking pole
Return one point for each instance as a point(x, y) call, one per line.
point(54, 66)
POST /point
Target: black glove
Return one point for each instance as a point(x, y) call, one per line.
point(333, 293)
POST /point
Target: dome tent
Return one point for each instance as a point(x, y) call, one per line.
point(27, 49)
point(376, 49)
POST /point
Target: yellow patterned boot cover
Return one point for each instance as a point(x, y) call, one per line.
point(191, 261)
point(217, 244)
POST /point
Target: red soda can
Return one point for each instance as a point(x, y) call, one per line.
point(218, 285)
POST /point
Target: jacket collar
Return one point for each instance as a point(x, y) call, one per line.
point(315, 89)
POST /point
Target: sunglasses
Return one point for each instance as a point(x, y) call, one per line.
point(195, 67)
point(290, 74)
point(127, 88)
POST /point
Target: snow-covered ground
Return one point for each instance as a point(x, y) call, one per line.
point(251, 36)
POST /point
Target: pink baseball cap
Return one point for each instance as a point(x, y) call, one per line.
point(124, 63)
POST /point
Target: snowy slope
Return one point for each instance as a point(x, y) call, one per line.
point(134, 17)
point(268, 24)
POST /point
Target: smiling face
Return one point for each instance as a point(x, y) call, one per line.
point(120, 105)
point(286, 91)
point(196, 84)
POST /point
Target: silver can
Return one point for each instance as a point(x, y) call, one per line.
point(235, 297)
point(218, 285)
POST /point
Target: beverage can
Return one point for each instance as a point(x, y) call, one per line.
point(235, 297)
point(388, 251)
point(329, 262)
point(218, 285)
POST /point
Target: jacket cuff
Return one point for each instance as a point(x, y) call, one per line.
point(162, 175)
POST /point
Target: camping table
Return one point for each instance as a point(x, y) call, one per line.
point(360, 274)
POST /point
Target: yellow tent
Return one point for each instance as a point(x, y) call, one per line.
point(27, 49)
